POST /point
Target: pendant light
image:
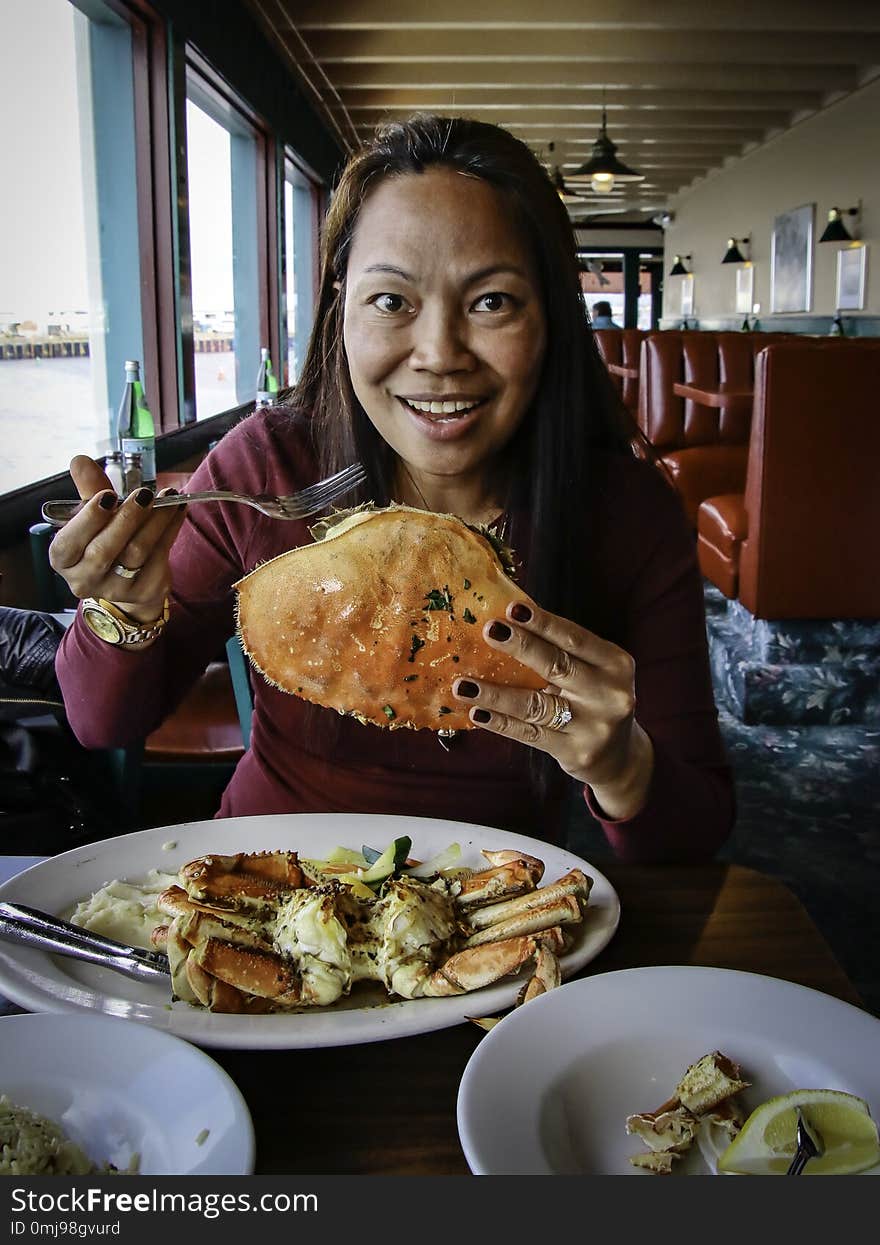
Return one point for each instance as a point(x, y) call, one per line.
point(603, 169)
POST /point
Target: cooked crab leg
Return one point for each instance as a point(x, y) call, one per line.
point(480, 966)
point(254, 972)
point(547, 975)
point(512, 874)
point(243, 881)
point(573, 883)
point(175, 902)
point(562, 911)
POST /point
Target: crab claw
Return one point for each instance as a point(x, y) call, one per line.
point(512, 873)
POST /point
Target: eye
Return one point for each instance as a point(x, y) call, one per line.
point(389, 304)
point(494, 301)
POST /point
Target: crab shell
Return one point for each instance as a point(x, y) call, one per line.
point(380, 617)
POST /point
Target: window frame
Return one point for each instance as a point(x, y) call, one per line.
point(161, 57)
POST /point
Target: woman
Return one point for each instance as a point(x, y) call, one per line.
point(453, 357)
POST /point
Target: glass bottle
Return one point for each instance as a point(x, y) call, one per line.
point(135, 430)
point(267, 381)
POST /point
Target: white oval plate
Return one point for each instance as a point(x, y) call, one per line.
point(41, 982)
point(585, 1056)
point(120, 1090)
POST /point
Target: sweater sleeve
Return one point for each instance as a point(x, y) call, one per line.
point(690, 806)
point(115, 696)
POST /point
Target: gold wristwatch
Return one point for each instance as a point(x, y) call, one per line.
point(112, 625)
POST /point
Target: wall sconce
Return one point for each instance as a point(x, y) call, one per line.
point(678, 269)
point(836, 230)
point(733, 255)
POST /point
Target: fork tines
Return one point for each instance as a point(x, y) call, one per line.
point(315, 496)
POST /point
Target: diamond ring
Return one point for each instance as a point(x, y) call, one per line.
point(561, 715)
point(127, 572)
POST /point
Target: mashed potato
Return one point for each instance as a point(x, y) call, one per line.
point(31, 1145)
point(125, 911)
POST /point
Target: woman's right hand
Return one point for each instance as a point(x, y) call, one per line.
point(105, 534)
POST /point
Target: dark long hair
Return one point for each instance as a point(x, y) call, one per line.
point(575, 409)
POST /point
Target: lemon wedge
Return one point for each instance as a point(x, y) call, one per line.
point(766, 1143)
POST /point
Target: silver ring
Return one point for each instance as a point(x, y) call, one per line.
point(127, 572)
point(561, 716)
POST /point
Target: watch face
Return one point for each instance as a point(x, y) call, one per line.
point(105, 627)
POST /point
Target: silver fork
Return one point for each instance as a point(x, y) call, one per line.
point(809, 1146)
point(300, 505)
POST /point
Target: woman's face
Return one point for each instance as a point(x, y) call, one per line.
point(444, 326)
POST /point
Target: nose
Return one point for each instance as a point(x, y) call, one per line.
point(440, 342)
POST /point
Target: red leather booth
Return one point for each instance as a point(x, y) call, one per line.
point(704, 448)
point(801, 538)
point(621, 351)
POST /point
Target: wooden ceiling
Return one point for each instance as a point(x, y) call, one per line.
point(688, 87)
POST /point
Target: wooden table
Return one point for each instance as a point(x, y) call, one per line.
point(722, 396)
point(388, 1108)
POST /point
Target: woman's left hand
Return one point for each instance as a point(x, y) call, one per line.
point(600, 744)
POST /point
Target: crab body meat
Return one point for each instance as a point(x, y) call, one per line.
point(273, 943)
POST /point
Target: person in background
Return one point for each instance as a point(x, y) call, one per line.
point(453, 357)
point(601, 317)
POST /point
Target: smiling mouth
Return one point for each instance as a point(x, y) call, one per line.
point(446, 411)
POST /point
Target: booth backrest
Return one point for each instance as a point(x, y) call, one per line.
point(812, 493)
point(622, 347)
point(705, 359)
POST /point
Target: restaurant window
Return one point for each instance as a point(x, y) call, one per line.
point(300, 263)
point(223, 188)
point(70, 311)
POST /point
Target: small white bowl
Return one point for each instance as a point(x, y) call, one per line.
point(120, 1089)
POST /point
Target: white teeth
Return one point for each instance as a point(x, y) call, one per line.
point(441, 408)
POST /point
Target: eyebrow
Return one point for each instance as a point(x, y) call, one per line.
point(479, 275)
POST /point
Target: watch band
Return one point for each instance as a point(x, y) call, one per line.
point(112, 625)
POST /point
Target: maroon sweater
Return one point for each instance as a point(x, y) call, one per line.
point(306, 759)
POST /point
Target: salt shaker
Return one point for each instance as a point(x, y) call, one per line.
point(133, 472)
point(115, 471)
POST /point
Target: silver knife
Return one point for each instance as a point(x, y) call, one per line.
point(43, 932)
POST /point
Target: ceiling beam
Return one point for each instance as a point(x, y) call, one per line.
point(439, 97)
point(611, 76)
point(578, 118)
point(730, 47)
point(644, 14)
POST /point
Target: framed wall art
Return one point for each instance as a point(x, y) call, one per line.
point(687, 294)
point(745, 289)
point(851, 267)
point(791, 262)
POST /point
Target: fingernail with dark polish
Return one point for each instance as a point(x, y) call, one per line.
point(520, 613)
point(480, 715)
point(169, 492)
point(109, 501)
point(464, 687)
point(500, 631)
point(143, 497)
